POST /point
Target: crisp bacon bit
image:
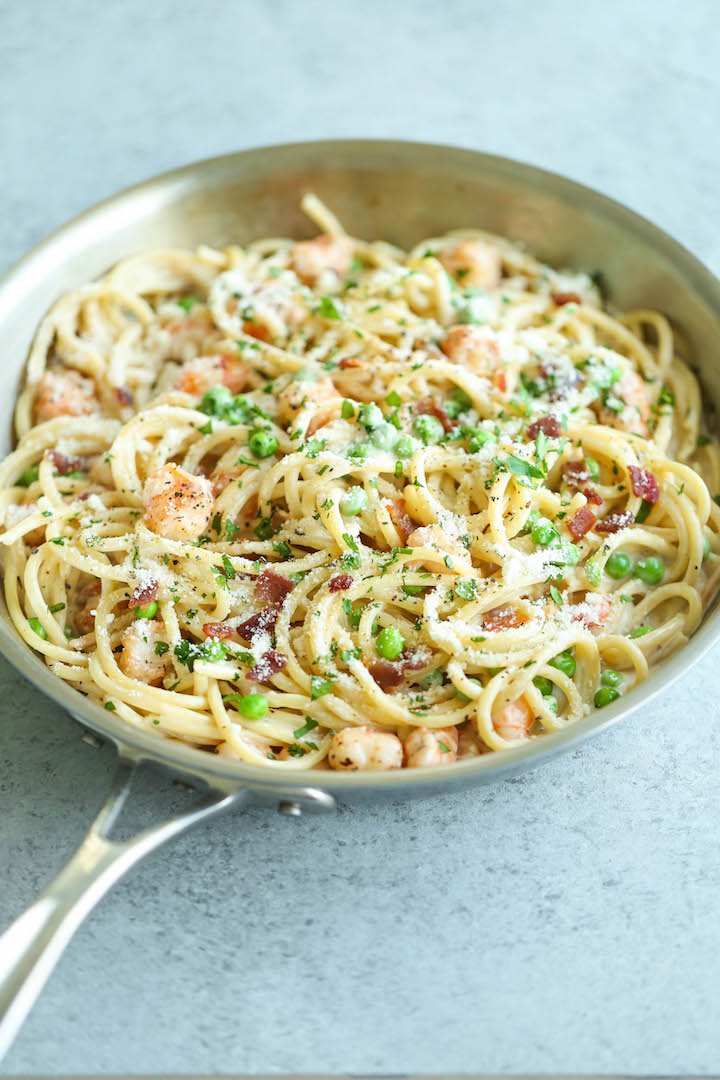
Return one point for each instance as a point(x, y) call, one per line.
point(257, 331)
point(547, 424)
point(561, 298)
point(65, 464)
point(414, 659)
point(350, 362)
point(615, 522)
point(504, 619)
point(340, 582)
point(401, 519)
point(262, 623)
point(123, 395)
point(431, 408)
point(582, 521)
point(144, 595)
point(592, 496)
point(386, 673)
point(577, 475)
point(559, 381)
point(499, 381)
point(267, 666)
point(218, 630)
point(272, 587)
point(644, 484)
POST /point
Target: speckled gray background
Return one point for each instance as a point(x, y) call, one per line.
point(564, 921)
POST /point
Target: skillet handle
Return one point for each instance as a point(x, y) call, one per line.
point(32, 946)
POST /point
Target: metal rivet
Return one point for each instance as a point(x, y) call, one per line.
point(290, 809)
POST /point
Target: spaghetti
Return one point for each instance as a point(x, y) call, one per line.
point(329, 503)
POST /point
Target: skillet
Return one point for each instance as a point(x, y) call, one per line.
point(399, 191)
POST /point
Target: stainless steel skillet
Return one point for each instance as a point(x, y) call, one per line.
point(395, 190)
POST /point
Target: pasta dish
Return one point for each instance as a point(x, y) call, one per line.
point(330, 504)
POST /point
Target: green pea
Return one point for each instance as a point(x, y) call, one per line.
point(605, 696)
point(370, 416)
point(458, 402)
point(532, 518)
point(263, 444)
point(564, 662)
point(651, 570)
point(428, 428)
point(29, 476)
point(464, 697)
point(612, 678)
point(551, 702)
point(360, 451)
point(216, 400)
point(593, 573)
point(354, 501)
point(433, 678)
point(544, 685)
point(38, 628)
point(406, 446)
point(592, 467)
point(707, 548)
point(544, 532)
point(253, 706)
point(384, 437)
point(147, 612)
point(347, 411)
point(390, 643)
point(618, 565)
point(570, 554)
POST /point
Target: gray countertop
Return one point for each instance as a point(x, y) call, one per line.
point(564, 921)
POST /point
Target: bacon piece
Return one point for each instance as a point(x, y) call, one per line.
point(401, 519)
point(350, 362)
point(559, 381)
point(547, 424)
point(144, 595)
point(272, 587)
point(577, 474)
point(582, 521)
point(262, 623)
point(499, 381)
point(123, 395)
point(65, 464)
point(430, 407)
point(267, 666)
point(504, 619)
point(615, 522)
point(561, 298)
point(218, 630)
point(387, 673)
point(340, 582)
point(644, 484)
point(414, 659)
point(592, 496)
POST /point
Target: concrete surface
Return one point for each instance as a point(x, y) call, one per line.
point(565, 921)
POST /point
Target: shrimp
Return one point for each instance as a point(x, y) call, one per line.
point(178, 505)
point(515, 720)
point(474, 264)
point(360, 748)
point(139, 658)
point(472, 347)
point(64, 393)
point(199, 375)
point(300, 394)
point(313, 258)
point(189, 335)
point(633, 392)
point(448, 548)
point(469, 744)
point(425, 747)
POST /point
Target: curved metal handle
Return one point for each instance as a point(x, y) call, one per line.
point(32, 946)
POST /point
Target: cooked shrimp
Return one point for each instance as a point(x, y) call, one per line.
point(473, 347)
point(64, 393)
point(312, 258)
point(360, 748)
point(139, 659)
point(300, 394)
point(515, 720)
point(432, 536)
point(473, 264)
point(469, 744)
point(425, 747)
point(87, 600)
point(199, 375)
point(633, 391)
point(189, 336)
point(178, 505)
